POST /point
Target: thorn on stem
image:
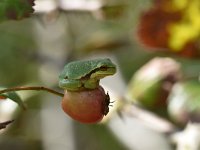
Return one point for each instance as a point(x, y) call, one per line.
point(3, 125)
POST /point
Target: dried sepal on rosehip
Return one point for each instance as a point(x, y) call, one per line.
point(87, 106)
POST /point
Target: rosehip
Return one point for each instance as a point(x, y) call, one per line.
point(88, 106)
point(183, 102)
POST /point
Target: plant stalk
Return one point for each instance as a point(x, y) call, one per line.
point(32, 88)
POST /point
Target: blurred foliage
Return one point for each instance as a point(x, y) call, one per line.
point(15, 9)
point(176, 25)
point(17, 47)
point(99, 137)
point(188, 28)
point(25, 133)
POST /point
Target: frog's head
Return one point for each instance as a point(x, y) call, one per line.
point(103, 68)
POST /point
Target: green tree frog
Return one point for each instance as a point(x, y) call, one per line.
point(85, 74)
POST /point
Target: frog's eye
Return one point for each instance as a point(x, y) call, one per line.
point(66, 77)
point(103, 68)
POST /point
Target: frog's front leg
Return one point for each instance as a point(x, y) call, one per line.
point(91, 84)
point(72, 85)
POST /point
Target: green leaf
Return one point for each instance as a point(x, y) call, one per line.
point(14, 97)
point(15, 9)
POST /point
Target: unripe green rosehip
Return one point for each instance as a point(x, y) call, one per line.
point(184, 102)
point(88, 106)
point(150, 86)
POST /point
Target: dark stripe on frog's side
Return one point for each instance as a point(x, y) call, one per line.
point(94, 71)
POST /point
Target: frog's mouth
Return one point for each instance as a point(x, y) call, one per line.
point(104, 71)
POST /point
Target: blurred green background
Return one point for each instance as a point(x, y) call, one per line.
point(33, 51)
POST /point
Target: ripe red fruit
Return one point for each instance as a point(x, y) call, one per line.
point(88, 106)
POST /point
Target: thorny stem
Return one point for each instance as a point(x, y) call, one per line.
point(32, 88)
point(4, 124)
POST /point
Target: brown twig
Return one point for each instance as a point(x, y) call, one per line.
point(3, 125)
point(33, 88)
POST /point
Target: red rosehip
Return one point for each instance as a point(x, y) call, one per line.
point(88, 106)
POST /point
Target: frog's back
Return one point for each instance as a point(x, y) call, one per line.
point(78, 69)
